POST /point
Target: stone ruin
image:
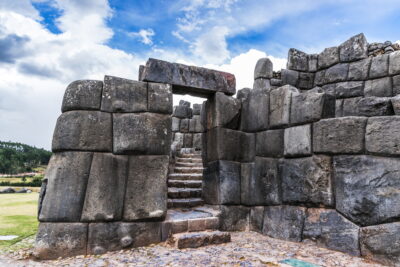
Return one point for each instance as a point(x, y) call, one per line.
point(310, 154)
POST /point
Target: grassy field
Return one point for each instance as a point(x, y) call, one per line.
point(18, 216)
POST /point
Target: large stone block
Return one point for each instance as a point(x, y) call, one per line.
point(297, 60)
point(284, 222)
point(83, 130)
point(182, 111)
point(55, 240)
point(160, 98)
point(354, 49)
point(263, 69)
point(243, 93)
point(379, 66)
point(123, 95)
point(394, 63)
point(106, 188)
point(196, 79)
point(254, 113)
point(313, 62)
point(67, 175)
point(319, 78)
point(224, 111)
point(260, 182)
point(396, 104)
point(261, 83)
point(184, 126)
point(358, 71)
point(176, 123)
point(270, 143)
point(234, 218)
point(280, 99)
point(383, 135)
point(378, 87)
point(311, 106)
point(396, 85)
point(339, 135)
point(142, 133)
point(188, 140)
point(328, 228)
point(221, 183)
point(328, 57)
point(289, 77)
point(367, 106)
point(347, 89)
point(367, 188)
point(196, 109)
point(256, 219)
point(306, 80)
point(336, 73)
point(146, 188)
point(197, 141)
point(381, 243)
point(195, 124)
point(82, 95)
point(298, 141)
point(308, 181)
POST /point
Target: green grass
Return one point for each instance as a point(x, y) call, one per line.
point(18, 216)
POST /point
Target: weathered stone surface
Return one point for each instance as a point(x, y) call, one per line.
point(396, 104)
point(394, 63)
point(298, 141)
point(297, 60)
point(160, 98)
point(42, 193)
point(284, 222)
point(106, 188)
point(339, 135)
point(198, 80)
point(195, 240)
point(270, 143)
point(328, 57)
point(82, 95)
point(280, 99)
point(378, 87)
point(123, 95)
point(311, 106)
point(358, 71)
point(308, 181)
point(256, 219)
point(306, 80)
point(319, 78)
point(367, 106)
point(176, 123)
point(243, 93)
point(380, 243)
point(226, 144)
point(261, 83)
point(349, 89)
point(379, 66)
point(195, 124)
point(182, 111)
point(197, 142)
point(196, 109)
point(354, 49)
point(142, 133)
point(146, 188)
point(235, 218)
point(260, 182)
point(367, 188)
point(289, 77)
point(396, 85)
point(263, 69)
point(336, 73)
point(339, 108)
point(67, 175)
point(313, 62)
point(140, 234)
point(382, 135)
point(184, 126)
point(140, 72)
point(188, 140)
point(224, 111)
point(178, 138)
point(83, 130)
point(221, 183)
point(327, 228)
point(55, 240)
point(254, 113)
point(276, 82)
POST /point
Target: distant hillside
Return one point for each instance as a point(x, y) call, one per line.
point(17, 157)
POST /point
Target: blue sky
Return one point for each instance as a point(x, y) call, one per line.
point(46, 44)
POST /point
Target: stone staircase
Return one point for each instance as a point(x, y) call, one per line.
point(185, 183)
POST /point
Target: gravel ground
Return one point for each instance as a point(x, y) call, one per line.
point(246, 249)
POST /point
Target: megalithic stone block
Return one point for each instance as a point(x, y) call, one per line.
point(67, 175)
point(367, 188)
point(184, 127)
point(83, 95)
point(195, 125)
point(146, 188)
point(182, 111)
point(160, 98)
point(280, 99)
point(367, 106)
point(235, 218)
point(379, 66)
point(313, 62)
point(196, 109)
point(297, 60)
point(328, 228)
point(199, 80)
point(270, 143)
point(254, 114)
point(378, 87)
point(55, 240)
point(383, 135)
point(142, 133)
point(396, 85)
point(243, 93)
point(221, 183)
point(106, 188)
point(123, 95)
point(176, 122)
point(336, 73)
point(290, 77)
point(284, 222)
point(256, 219)
point(261, 83)
point(380, 243)
point(224, 111)
point(83, 130)
point(298, 141)
point(197, 140)
point(358, 71)
point(188, 140)
point(355, 48)
point(394, 63)
point(308, 181)
point(328, 57)
point(263, 69)
point(306, 80)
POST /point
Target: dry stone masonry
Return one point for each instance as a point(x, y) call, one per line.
point(309, 154)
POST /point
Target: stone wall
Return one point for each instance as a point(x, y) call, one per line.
point(313, 156)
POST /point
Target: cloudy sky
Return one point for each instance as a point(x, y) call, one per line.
point(46, 44)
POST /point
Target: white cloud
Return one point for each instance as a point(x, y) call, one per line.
point(144, 35)
point(211, 47)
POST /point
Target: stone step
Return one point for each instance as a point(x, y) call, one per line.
point(199, 239)
point(188, 170)
point(184, 202)
point(188, 160)
point(188, 164)
point(176, 192)
point(185, 183)
point(186, 176)
point(194, 156)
